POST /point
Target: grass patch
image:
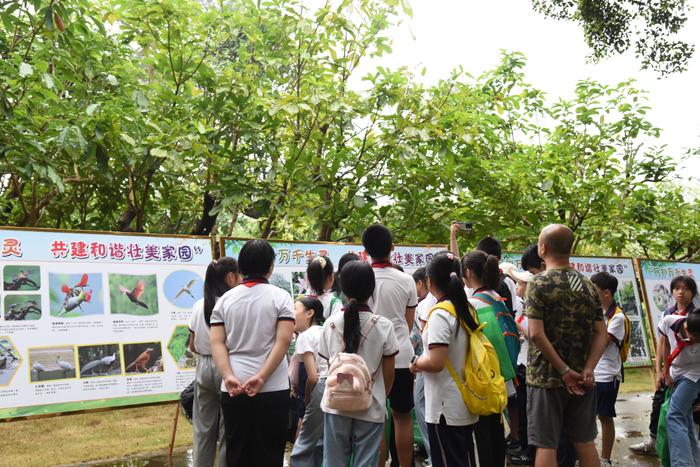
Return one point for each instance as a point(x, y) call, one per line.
point(638, 380)
point(78, 438)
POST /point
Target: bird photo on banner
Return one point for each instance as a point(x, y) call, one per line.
point(133, 294)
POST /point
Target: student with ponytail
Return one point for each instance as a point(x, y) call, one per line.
point(319, 275)
point(308, 315)
point(207, 420)
point(481, 274)
point(357, 331)
point(450, 424)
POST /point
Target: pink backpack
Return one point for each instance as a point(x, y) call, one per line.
point(349, 383)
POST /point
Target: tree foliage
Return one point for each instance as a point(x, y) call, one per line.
point(613, 27)
point(250, 118)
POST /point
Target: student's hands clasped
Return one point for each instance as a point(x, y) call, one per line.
point(232, 385)
point(573, 382)
point(253, 385)
point(250, 388)
point(588, 377)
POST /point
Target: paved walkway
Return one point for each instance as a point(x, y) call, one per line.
point(631, 427)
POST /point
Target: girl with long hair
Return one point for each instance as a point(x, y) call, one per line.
point(320, 277)
point(308, 313)
point(450, 423)
point(207, 420)
point(481, 274)
point(372, 337)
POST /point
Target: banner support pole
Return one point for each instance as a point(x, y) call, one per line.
point(171, 446)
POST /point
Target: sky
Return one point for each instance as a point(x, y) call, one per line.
point(443, 34)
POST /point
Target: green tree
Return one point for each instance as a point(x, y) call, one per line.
point(613, 27)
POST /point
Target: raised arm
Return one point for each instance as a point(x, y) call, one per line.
point(454, 248)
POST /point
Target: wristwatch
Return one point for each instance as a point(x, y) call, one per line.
point(564, 371)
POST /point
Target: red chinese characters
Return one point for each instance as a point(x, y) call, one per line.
point(11, 247)
point(58, 249)
point(79, 250)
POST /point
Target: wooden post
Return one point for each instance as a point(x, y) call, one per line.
point(172, 435)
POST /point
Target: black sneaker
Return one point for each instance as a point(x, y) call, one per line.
point(521, 459)
point(513, 447)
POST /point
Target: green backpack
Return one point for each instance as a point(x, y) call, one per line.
point(494, 334)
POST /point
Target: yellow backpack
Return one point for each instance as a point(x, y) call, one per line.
point(483, 389)
point(624, 345)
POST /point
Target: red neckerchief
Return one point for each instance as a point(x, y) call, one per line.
point(381, 264)
point(680, 345)
point(684, 311)
point(611, 310)
point(253, 281)
point(362, 307)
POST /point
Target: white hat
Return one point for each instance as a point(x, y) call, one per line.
point(525, 276)
point(508, 269)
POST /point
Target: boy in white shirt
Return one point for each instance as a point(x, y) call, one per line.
point(608, 372)
point(395, 298)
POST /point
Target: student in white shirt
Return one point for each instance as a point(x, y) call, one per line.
point(526, 454)
point(682, 336)
point(207, 420)
point(450, 424)
point(358, 433)
point(319, 275)
point(395, 299)
point(251, 329)
point(426, 300)
point(481, 273)
point(608, 372)
point(308, 314)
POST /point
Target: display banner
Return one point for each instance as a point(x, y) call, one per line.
point(291, 258)
point(95, 320)
point(628, 296)
point(656, 282)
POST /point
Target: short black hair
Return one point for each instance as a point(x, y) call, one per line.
point(256, 258)
point(420, 275)
point(377, 241)
point(688, 281)
point(605, 281)
point(345, 259)
point(490, 246)
point(693, 322)
point(530, 258)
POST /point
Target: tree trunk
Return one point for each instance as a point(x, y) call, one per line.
point(206, 221)
point(125, 220)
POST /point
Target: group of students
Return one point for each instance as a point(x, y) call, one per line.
point(369, 340)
